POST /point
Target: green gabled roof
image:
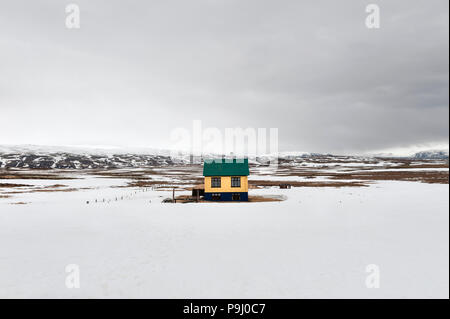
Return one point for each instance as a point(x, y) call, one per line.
point(226, 167)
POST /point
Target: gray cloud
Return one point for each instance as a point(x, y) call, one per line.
point(138, 69)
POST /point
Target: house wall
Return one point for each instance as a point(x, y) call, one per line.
point(226, 185)
point(226, 196)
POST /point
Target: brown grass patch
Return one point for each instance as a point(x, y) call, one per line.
point(45, 190)
point(25, 174)
point(169, 184)
point(8, 185)
point(433, 177)
point(122, 175)
point(268, 183)
point(55, 186)
point(142, 174)
point(274, 198)
point(420, 166)
point(183, 199)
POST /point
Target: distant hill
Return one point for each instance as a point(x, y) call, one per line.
point(431, 155)
point(80, 161)
point(38, 157)
point(47, 157)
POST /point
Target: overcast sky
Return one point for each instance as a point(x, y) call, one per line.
point(136, 70)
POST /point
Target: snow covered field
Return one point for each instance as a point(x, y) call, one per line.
point(315, 244)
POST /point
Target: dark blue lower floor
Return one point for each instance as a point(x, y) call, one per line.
point(225, 197)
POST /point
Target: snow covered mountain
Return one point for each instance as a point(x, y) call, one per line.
point(76, 158)
point(76, 161)
point(431, 155)
point(61, 157)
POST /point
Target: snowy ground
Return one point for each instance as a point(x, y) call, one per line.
point(316, 244)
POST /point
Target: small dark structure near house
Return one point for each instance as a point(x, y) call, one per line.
point(285, 185)
point(198, 191)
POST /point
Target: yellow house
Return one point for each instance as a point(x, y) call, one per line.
point(226, 179)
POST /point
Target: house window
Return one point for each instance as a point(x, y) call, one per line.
point(235, 182)
point(215, 182)
point(215, 196)
point(236, 197)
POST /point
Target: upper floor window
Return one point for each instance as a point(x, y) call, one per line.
point(215, 182)
point(235, 182)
